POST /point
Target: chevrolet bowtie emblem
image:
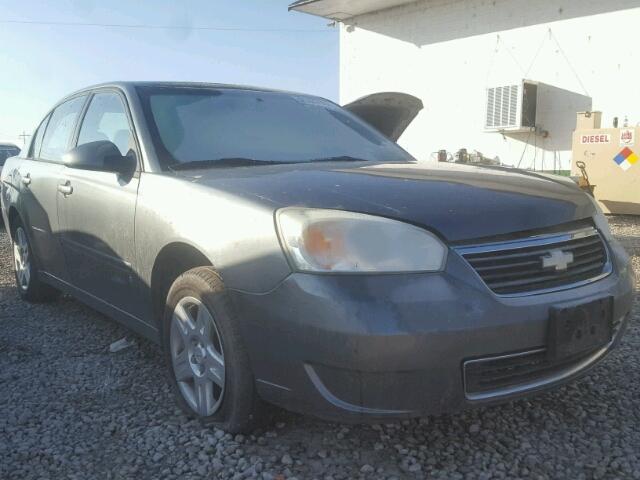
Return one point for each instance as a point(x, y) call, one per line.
point(557, 259)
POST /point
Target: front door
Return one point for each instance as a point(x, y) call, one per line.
point(97, 211)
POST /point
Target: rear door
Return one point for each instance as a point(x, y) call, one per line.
point(97, 212)
point(39, 177)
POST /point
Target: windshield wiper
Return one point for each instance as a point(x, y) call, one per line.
point(338, 158)
point(349, 158)
point(249, 162)
point(221, 162)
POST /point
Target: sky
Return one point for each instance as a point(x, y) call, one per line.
point(41, 62)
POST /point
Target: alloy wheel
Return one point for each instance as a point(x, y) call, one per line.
point(21, 259)
point(197, 356)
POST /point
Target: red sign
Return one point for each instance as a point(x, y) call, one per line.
point(596, 138)
point(627, 137)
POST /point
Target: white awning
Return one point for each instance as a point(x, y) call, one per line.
point(343, 9)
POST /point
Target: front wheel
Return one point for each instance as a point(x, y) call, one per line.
point(208, 364)
point(30, 287)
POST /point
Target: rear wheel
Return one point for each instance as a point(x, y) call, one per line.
point(30, 287)
point(208, 364)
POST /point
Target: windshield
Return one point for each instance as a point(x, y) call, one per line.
point(196, 127)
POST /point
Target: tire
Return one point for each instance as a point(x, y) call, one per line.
point(198, 331)
point(25, 268)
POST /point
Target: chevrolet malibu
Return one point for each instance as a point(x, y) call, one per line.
point(283, 249)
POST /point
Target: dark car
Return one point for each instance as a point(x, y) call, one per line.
point(281, 249)
point(7, 150)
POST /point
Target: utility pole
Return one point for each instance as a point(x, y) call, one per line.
point(24, 137)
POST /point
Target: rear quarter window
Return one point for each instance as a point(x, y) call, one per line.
point(36, 143)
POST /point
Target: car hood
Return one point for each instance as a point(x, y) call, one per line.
point(389, 112)
point(459, 202)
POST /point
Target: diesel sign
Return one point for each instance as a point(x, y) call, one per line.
point(599, 138)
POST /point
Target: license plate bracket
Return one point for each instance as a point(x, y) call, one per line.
point(577, 328)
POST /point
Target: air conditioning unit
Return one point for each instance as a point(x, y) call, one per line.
point(512, 108)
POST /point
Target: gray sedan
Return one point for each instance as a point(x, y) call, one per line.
point(284, 249)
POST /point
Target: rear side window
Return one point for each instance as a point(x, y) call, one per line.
point(60, 128)
point(34, 151)
point(106, 119)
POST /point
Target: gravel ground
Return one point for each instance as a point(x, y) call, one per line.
point(69, 409)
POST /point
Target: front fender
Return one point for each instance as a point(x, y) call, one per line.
point(237, 236)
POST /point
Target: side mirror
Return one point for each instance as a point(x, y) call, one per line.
point(102, 156)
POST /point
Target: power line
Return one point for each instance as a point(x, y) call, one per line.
point(7, 135)
point(163, 27)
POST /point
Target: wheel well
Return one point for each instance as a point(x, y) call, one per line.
point(172, 261)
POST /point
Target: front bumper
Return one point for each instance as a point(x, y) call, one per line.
point(350, 347)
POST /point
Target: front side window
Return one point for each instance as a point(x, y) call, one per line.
point(60, 128)
point(106, 119)
point(204, 125)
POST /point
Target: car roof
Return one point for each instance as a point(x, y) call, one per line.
point(130, 85)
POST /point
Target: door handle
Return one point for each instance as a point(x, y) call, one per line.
point(26, 180)
point(65, 188)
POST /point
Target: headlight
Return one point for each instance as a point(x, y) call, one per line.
point(318, 240)
point(600, 220)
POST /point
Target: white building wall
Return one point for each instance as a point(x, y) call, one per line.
point(447, 52)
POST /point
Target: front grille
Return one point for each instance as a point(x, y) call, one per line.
point(540, 263)
point(490, 377)
point(495, 376)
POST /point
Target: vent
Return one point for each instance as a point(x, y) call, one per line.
point(491, 376)
point(541, 263)
point(502, 106)
point(500, 375)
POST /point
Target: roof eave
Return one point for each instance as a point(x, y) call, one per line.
point(300, 5)
point(341, 10)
